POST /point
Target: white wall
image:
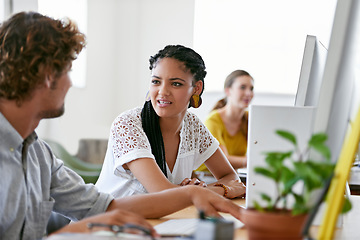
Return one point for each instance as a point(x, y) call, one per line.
point(7, 7)
point(266, 38)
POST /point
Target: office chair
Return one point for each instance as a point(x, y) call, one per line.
point(88, 171)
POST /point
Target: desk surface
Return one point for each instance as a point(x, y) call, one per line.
point(349, 230)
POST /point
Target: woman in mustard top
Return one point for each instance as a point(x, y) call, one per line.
point(228, 121)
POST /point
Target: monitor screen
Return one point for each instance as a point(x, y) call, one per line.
point(312, 68)
point(337, 88)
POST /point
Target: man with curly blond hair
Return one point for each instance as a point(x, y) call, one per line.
point(36, 53)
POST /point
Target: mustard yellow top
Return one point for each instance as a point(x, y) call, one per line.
point(235, 145)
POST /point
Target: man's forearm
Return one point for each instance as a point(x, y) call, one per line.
point(155, 205)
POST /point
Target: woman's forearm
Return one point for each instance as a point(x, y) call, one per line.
point(230, 175)
point(237, 161)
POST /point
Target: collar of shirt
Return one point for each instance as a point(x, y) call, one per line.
point(10, 139)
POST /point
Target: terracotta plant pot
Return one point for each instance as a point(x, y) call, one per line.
point(273, 225)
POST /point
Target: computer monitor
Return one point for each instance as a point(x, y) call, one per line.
point(333, 108)
point(338, 93)
point(277, 117)
point(337, 90)
point(311, 73)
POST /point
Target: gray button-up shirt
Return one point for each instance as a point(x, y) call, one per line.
point(33, 183)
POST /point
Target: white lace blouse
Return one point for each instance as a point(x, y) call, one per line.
point(128, 142)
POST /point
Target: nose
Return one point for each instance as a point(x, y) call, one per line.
point(164, 89)
point(249, 92)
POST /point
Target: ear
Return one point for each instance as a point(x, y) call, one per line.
point(48, 80)
point(198, 87)
point(227, 91)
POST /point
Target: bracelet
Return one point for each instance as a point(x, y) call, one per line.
point(226, 190)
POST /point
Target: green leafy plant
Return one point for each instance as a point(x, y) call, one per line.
point(291, 167)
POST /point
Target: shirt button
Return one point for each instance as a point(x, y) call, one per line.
point(11, 149)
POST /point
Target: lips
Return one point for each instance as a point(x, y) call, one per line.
point(247, 101)
point(162, 102)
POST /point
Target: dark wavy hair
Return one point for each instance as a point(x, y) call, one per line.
point(228, 83)
point(150, 120)
point(31, 46)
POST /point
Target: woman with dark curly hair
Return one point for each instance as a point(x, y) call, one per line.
point(157, 146)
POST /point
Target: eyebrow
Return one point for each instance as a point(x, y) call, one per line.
point(171, 79)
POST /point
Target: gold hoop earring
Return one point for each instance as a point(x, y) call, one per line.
point(195, 101)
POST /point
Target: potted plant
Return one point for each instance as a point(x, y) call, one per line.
point(278, 220)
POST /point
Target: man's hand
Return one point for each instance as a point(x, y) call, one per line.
point(212, 203)
point(113, 217)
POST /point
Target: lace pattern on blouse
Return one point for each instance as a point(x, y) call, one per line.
point(129, 135)
point(195, 135)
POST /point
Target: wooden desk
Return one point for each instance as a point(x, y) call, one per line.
point(349, 231)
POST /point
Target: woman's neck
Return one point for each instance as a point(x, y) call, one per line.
point(171, 125)
point(233, 113)
point(232, 119)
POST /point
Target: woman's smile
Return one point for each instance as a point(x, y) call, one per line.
point(163, 103)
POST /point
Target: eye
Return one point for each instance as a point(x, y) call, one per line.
point(242, 87)
point(177, 84)
point(155, 81)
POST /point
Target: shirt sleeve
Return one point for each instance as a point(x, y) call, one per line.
point(73, 198)
point(129, 140)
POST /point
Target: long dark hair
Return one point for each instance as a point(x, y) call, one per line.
point(150, 120)
point(228, 83)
